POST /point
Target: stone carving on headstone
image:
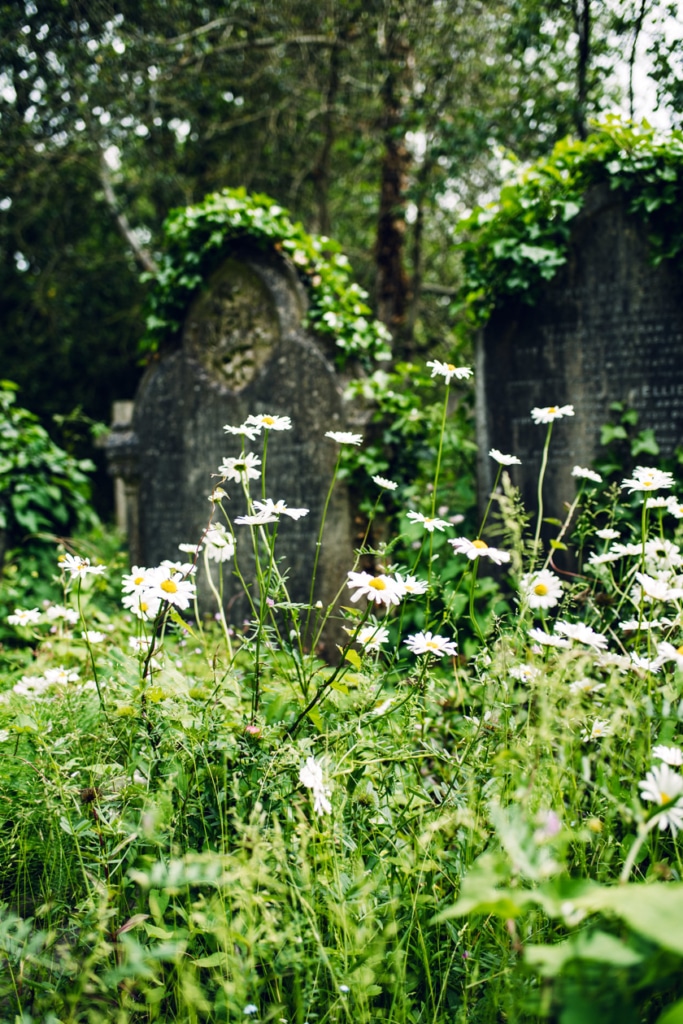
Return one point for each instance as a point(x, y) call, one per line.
point(607, 328)
point(243, 352)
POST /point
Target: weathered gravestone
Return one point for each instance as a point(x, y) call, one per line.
point(243, 352)
point(607, 328)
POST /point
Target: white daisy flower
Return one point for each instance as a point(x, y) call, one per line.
point(607, 533)
point(24, 617)
point(524, 673)
point(175, 589)
point(382, 481)
point(380, 589)
point(504, 460)
point(31, 686)
point(551, 412)
point(93, 636)
point(667, 652)
point(674, 506)
point(143, 603)
point(242, 468)
point(645, 478)
point(311, 776)
point(268, 422)
point(344, 437)
point(449, 370)
point(671, 755)
point(586, 686)
point(657, 589)
point(582, 634)
point(60, 676)
point(220, 543)
point(190, 549)
point(646, 664)
point(430, 523)
point(411, 584)
point(542, 589)
point(58, 611)
point(279, 508)
point(427, 643)
point(245, 430)
point(256, 519)
point(79, 567)
point(371, 637)
point(663, 787)
point(547, 639)
point(658, 502)
point(586, 474)
point(478, 549)
point(598, 729)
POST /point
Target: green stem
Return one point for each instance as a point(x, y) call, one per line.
point(541, 476)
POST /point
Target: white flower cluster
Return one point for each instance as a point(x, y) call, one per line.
point(311, 776)
point(145, 590)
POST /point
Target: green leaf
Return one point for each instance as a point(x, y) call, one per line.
point(353, 657)
point(215, 960)
point(672, 1014)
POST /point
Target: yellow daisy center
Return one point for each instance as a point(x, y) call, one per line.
point(169, 587)
point(138, 580)
point(268, 420)
point(480, 544)
point(450, 367)
point(377, 584)
point(143, 606)
point(664, 798)
point(433, 644)
point(679, 650)
point(552, 408)
point(540, 589)
point(647, 483)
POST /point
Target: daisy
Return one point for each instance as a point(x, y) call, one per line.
point(245, 430)
point(24, 617)
point(607, 533)
point(645, 478)
point(449, 370)
point(524, 673)
point(663, 787)
point(190, 549)
point(411, 585)
point(656, 589)
point(220, 544)
point(478, 549)
point(58, 611)
point(79, 567)
point(279, 508)
point(344, 437)
point(243, 468)
point(93, 636)
point(61, 676)
point(143, 603)
point(380, 589)
point(311, 776)
point(174, 589)
point(371, 637)
point(658, 502)
point(672, 755)
point(551, 412)
point(268, 422)
point(586, 474)
point(541, 589)
point(430, 523)
point(31, 686)
point(426, 643)
point(667, 652)
point(586, 686)
point(674, 506)
point(504, 460)
point(646, 664)
point(382, 481)
point(599, 728)
point(547, 639)
point(582, 634)
point(257, 519)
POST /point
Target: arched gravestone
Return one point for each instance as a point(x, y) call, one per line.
point(243, 352)
point(607, 328)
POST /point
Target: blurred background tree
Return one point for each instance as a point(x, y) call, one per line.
point(375, 121)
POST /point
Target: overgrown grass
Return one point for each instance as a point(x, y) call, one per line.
point(200, 823)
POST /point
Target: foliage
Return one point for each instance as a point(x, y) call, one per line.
point(519, 241)
point(198, 238)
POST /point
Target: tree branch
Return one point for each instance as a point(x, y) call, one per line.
point(143, 257)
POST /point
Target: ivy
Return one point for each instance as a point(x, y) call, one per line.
point(512, 246)
point(198, 238)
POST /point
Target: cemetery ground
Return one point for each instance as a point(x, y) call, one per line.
point(471, 814)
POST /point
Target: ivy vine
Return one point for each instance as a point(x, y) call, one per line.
point(515, 244)
point(198, 238)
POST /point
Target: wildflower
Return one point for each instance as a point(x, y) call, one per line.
point(256, 519)
point(250, 1008)
point(586, 474)
point(344, 989)
point(659, 502)
point(631, 625)
point(79, 567)
point(61, 676)
point(279, 508)
point(93, 636)
point(607, 533)
point(136, 579)
point(269, 422)
point(541, 589)
point(645, 478)
point(504, 460)
point(430, 523)
point(245, 430)
point(672, 755)
point(599, 728)
point(604, 558)
point(477, 549)
point(382, 481)
point(142, 603)
point(448, 370)
point(140, 644)
point(646, 664)
point(380, 589)
point(411, 585)
point(220, 544)
point(551, 412)
point(674, 506)
point(4, 735)
point(585, 686)
point(31, 686)
point(24, 617)
point(657, 589)
point(547, 639)
point(311, 776)
point(344, 437)
point(243, 468)
point(190, 549)
point(667, 652)
point(174, 589)
point(583, 634)
point(58, 611)
point(426, 643)
point(663, 787)
point(371, 637)
point(217, 495)
point(524, 673)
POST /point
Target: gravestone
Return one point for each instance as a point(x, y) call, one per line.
point(607, 328)
point(243, 352)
